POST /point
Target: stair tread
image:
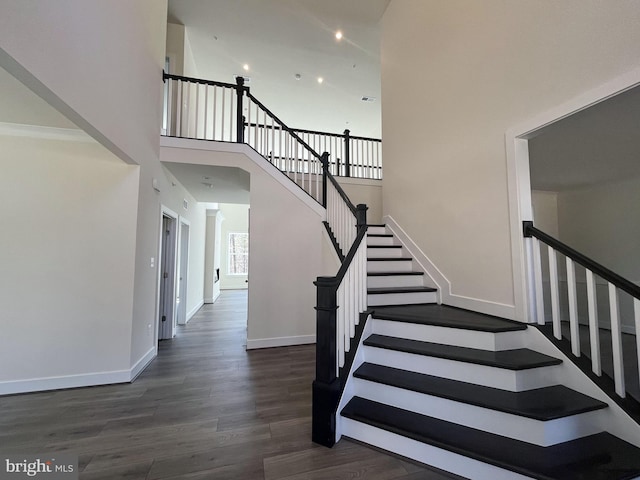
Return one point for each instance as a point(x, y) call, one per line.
point(542, 404)
point(444, 316)
point(390, 274)
point(384, 246)
point(595, 457)
point(376, 224)
point(385, 235)
point(516, 359)
point(381, 290)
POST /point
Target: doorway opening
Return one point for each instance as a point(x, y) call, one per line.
point(183, 272)
point(167, 274)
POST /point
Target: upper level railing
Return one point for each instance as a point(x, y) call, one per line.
point(228, 112)
point(616, 287)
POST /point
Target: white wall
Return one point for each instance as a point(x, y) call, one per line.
point(236, 220)
point(545, 212)
point(483, 68)
point(212, 254)
point(602, 223)
point(100, 64)
point(369, 192)
point(67, 250)
point(286, 243)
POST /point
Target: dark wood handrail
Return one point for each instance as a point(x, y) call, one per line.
point(201, 81)
point(603, 272)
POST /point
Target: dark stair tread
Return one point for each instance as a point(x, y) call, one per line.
point(385, 235)
point(596, 457)
point(384, 246)
point(392, 274)
point(389, 259)
point(542, 404)
point(441, 315)
point(382, 290)
point(516, 359)
point(376, 224)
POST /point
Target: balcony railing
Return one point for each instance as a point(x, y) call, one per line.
point(227, 112)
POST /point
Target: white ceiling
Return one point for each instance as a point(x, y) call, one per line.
point(212, 184)
point(279, 38)
point(598, 145)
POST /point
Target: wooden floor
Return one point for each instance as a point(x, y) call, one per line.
point(204, 409)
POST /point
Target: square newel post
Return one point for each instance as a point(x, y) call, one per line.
point(326, 386)
point(325, 168)
point(239, 103)
point(347, 153)
point(361, 215)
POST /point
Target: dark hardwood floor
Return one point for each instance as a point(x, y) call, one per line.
point(204, 409)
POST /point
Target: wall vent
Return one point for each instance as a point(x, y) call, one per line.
point(185, 204)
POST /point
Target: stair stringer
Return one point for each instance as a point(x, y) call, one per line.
point(612, 419)
point(349, 389)
point(442, 283)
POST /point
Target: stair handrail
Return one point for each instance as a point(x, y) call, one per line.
point(615, 283)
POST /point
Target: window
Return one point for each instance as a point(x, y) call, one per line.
point(238, 254)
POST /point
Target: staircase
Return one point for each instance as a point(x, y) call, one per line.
point(461, 392)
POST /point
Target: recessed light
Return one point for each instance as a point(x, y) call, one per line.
point(246, 67)
point(320, 79)
point(338, 35)
point(297, 76)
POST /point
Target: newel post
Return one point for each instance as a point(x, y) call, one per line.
point(239, 104)
point(326, 386)
point(325, 168)
point(361, 215)
point(347, 153)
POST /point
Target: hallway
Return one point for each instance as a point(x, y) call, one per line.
point(204, 409)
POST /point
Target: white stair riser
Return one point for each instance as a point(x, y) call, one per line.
point(437, 457)
point(450, 336)
point(390, 281)
point(377, 241)
point(389, 266)
point(377, 230)
point(401, 298)
point(512, 380)
point(383, 252)
point(525, 429)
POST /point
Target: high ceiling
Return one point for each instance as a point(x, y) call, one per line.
point(281, 38)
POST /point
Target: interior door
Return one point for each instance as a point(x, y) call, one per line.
point(167, 278)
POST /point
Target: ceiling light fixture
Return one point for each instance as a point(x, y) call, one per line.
point(320, 79)
point(246, 67)
point(297, 76)
point(338, 35)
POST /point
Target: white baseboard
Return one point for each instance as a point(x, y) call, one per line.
point(141, 364)
point(280, 341)
point(194, 310)
point(212, 299)
point(437, 278)
point(68, 381)
point(77, 381)
point(442, 283)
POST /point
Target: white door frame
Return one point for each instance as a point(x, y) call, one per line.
point(183, 267)
point(164, 211)
point(519, 183)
